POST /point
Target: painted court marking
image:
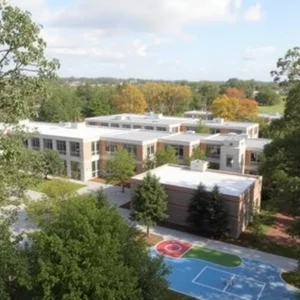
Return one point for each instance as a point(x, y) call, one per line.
point(233, 276)
point(174, 249)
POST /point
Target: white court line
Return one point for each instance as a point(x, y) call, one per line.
point(193, 281)
point(186, 251)
point(169, 245)
point(228, 283)
point(259, 295)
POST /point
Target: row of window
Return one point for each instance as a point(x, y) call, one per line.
point(146, 127)
point(61, 146)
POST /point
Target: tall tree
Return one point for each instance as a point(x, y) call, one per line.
point(208, 91)
point(165, 156)
point(101, 101)
point(248, 86)
point(86, 250)
point(267, 96)
point(154, 96)
point(235, 93)
point(122, 166)
point(149, 202)
point(24, 71)
point(53, 164)
point(129, 100)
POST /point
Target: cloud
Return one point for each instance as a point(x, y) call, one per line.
point(253, 13)
point(251, 54)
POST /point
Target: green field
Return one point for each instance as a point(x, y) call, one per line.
point(272, 109)
point(41, 187)
point(214, 256)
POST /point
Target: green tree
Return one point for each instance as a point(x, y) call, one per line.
point(267, 96)
point(201, 128)
point(24, 74)
point(101, 101)
point(87, 250)
point(62, 104)
point(122, 166)
point(149, 202)
point(197, 154)
point(165, 156)
point(257, 225)
point(209, 91)
point(206, 211)
point(53, 164)
point(248, 86)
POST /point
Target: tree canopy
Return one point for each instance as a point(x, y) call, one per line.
point(165, 156)
point(267, 96)
point(149, 202)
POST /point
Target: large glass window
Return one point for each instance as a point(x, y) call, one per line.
point(179, 150)
point(104, 124)
point(96, 168)
point(110, 147)
point(75, 149)
point(61, 147)
point(213, 151)
point(130, 148)
point(35, 144)
point(161, 128)
point(150, 150)
point(137, 126)
point(149, 128)
point(229, 161)
point(95, 148)
point(126, 126)
point(75, 170)
point(48, 144)
point(114, 125)
point(255, 158)
point(214, 130)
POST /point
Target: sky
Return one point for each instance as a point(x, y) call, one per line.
point(167, 39)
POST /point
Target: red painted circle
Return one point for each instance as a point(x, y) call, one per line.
point(173, 248)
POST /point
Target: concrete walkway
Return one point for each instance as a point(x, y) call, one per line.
point(118, 198)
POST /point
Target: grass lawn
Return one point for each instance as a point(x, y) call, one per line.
point(172, 295)
point(41, 187)
point(214, 256)
point(272, 109)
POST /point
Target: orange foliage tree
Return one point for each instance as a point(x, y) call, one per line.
point(234, 109)
point(129, 100)
point(235, 93)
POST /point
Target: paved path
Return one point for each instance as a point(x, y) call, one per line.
point(118, 198)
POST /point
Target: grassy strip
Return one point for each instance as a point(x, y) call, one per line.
point(292, 278)
point(172, 295)
point(46, 184)
point(214, 256)
point(272, 109)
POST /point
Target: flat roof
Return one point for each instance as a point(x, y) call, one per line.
point(229, 184)
point(138, 136)
point(198, 112)
point(257, 143)
point(66, 131)
point(185, 137)
point(138, 119)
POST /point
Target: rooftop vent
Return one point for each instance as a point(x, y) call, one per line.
point(199, 165)
point(120, 117)
point(78, 125)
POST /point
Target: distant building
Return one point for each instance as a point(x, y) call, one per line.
point(269, 117)
point(241, 194)
point(200, 114)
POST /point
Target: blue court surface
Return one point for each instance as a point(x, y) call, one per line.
point(253, 280)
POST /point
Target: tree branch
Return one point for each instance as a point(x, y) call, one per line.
point(5, 55)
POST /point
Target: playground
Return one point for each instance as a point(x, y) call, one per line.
point(208, 274)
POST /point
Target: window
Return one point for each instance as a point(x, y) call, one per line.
point(150, 150)
point(126, 126)
point(235, 131)
point(35, 143)
point(92, 123)
point(161, 128)
point(214, 166)
point(229, 161)
point(104, 124)
point(61, 147)
point(96, 168)
point(137, 126)
point(48, 144)
point(75, 149)
point(189, 128)
point(255, 130)
point(149, 127)
point(213, 151)
point(178, 150)
point(130, 148)
point(175, 129)
point(95, 148)
point(255, 158)
point(214, 130)
point(114, 125)
point(75, 170)
point(110, 147)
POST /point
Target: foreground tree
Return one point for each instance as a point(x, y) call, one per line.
point(149, 202)
point(165, 156)
point(129, 99)
point(122, 167)
point(53, 164)
point(86, 250)
point(24, 73)
point(206, 211)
